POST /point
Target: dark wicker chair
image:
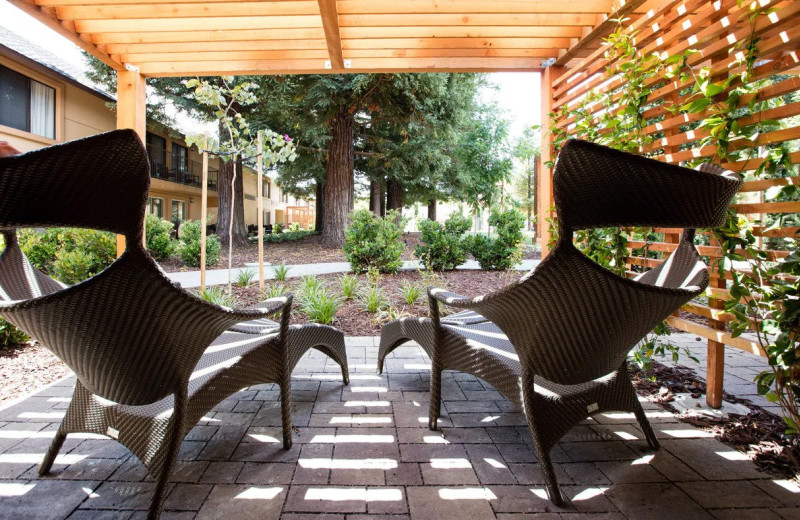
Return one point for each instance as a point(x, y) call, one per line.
point(556, 341)
point(150, 358)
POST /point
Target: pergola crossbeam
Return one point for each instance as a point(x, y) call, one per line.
point(221, 37)
point(330, 24)
point(602, 28)
point(49, 18)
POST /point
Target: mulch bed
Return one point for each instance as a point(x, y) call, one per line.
point(26, 368)
point(305, 251)
point(760, 434)
point(354, 320)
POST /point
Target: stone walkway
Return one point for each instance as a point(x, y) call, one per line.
point(220, 276)
point(363, 453)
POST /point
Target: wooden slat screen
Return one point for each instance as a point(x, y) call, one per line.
point(711, 29)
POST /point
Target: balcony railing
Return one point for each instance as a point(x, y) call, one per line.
point(174, 167)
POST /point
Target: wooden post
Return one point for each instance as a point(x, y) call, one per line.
point(715, 361)
point(544, 188)
point(131, 102)
point(204, 215)
point(260, 220)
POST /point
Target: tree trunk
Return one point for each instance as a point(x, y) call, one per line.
point(224, 195)
point(394, 197)
point(432, 209)
point(320, 202)
point(375, 193)
point(338, 180)
point(382, 200)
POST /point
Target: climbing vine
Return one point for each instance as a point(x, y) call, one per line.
point(724, 111)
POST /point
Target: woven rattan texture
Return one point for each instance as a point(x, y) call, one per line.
point(557, 340)
point(150, 358)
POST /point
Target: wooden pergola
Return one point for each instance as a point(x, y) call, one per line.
point(561, 39)
point(156, 38)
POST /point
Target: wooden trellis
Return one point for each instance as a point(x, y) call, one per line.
point(710, 28)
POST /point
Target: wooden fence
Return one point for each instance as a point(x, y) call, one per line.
point(712, 30)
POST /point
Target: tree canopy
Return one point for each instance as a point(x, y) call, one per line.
point(419, 137)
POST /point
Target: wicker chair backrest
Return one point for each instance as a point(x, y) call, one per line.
point(572, 320)
point(595, 186)
point(129, 334)
point(100, 182)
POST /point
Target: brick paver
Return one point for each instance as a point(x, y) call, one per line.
point(364, 452)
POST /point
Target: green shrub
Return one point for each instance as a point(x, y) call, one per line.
point(374, 242)
point(505, 251)
point(309, 286)
point(219, 296)
point(189, 245)
point(411, 292)
point(274, 290)
point(244, 277)
point(277, 229)
point(158, 234)
point(10, 335)
point(281, 271)
point(284, 236)
point(69, 254)
point(443, 247)
point(349, 286)
point(374, 299)
point(320, 306)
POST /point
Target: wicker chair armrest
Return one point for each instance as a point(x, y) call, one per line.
point(452, 299)
point(271, 305)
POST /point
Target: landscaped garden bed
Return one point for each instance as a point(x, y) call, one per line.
point(353, 318)
point(307, 250)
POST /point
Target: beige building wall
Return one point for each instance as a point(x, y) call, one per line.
point(80, 114)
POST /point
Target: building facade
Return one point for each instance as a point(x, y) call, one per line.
point(44, 101)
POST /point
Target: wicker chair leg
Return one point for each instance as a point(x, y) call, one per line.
point(173, 440)
point(542, 452)
point(52, 452)
point(286, 410)
point(436, 395)
point(649, 434)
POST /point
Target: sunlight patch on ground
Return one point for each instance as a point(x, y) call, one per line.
point(361, 420)
point(467, 494)
point(14, 489)
point(36, 458)
point(732, 455)
point(588, 493)
point(257, 493)
point(450, 464)
point(322, 463)
point(352, 439)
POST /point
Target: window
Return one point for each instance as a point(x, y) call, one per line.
point(180, 158)
point(26, 104)
point(267, 189)
point(157, 151)
point(155, 206)
point(285, 198)
point(178, 211)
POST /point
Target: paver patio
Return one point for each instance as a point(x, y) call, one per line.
point(364, 452)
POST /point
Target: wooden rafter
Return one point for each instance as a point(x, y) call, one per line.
point(66, 29)
point(330, 24)
point(213, 37)
point(602, 28)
